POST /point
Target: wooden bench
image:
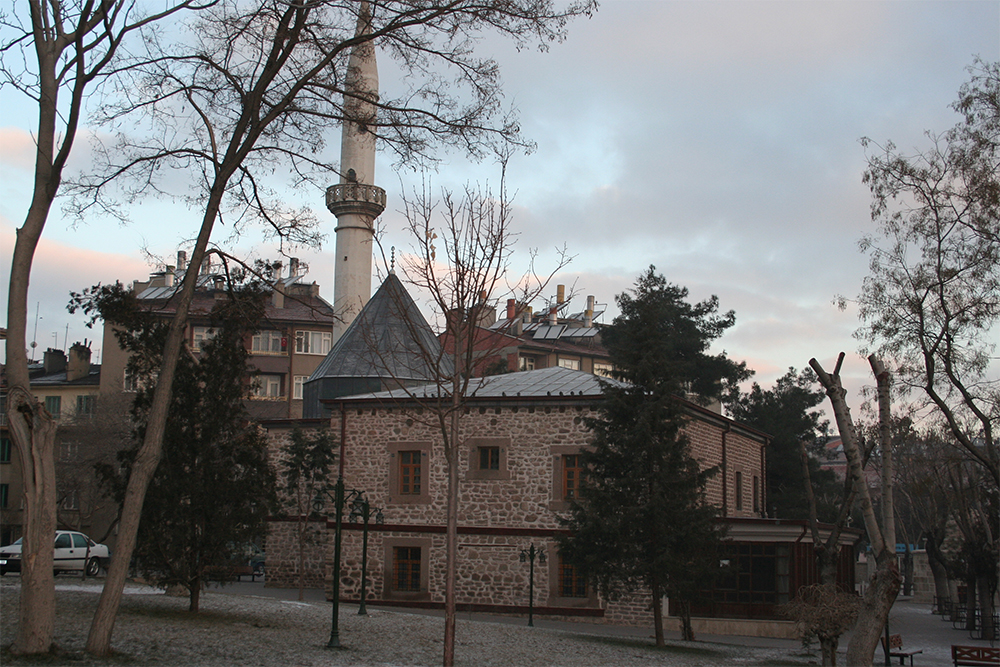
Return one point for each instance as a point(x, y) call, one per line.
point(896, 649)
point(229, 572)
point(975, 656)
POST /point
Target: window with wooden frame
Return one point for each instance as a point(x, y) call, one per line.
point(756, 494)
point(571, 584)
point(571, 472)
point(407, 562)
point(739, 490)
point(488, 458)
point(408, 472)
point(406, 569)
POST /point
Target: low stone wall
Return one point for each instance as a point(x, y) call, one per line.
point(283, 554)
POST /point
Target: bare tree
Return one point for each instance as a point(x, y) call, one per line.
point(884, 586)
point(256, 86)
point(65, 50)
point(461, 250)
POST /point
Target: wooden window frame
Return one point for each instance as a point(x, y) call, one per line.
point(474, 445)
point(556, 598)
point(559, 502)
point(392, 455)
point(390, 544)
point(738, 490)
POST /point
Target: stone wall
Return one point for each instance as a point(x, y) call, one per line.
point(501, 511)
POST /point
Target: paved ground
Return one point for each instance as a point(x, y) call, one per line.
point(249, 624)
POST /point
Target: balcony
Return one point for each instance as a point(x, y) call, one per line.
point(356, 198)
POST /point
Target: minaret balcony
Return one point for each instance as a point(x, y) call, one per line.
point(356, 198)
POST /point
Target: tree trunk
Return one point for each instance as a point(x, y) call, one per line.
point(194, 597)
point(828, 648)
point(302, 559)
point(657, 613)
point(986, 609)
point(875, 606)
point(148, 456)
point(451, 538)
point(936, 562)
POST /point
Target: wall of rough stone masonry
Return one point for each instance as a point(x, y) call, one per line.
point(283, 554)
point(497, 516)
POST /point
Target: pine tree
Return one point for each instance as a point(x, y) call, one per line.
point(642, 519)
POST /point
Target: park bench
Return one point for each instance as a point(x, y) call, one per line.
point(975, 656)
point(896, 649)
point(229, 572)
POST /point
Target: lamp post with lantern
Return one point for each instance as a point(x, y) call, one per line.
point(360, 507)
point(529, 555)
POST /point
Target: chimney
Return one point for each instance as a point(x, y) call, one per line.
point(511, 309)
point(278, 296)
point(54, 361)
point(588, 315)
point(560, 295)
point(206, 265)
point(219, 283)
point(182, 261)
point(293, 267)
point(553, 315)
point(168, 276)
point(79, 361)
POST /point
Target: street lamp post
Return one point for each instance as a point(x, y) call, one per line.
point(361, 507)
point(529, 555)
point(338, 508)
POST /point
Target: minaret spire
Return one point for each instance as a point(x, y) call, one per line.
point(356, 200)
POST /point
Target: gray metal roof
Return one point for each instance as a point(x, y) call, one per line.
point(545, 382)
point(389, 339)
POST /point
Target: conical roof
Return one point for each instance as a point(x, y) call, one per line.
point(389, 339)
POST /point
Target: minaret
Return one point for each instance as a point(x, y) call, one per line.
point(356, 200)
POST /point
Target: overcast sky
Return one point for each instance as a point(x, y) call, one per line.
point(718, 141)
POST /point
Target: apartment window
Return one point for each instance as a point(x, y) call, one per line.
point(756, 494)
point(313, 342)
point(54, 406)
point(200, 336)
point(739, 490)
point(572, 471)
point(406, 569)
point(6, 447)
point(269, 342)
point(86, 405)
point(571, 584)
point(70, 501)
point(298, 382)
point(408, 468)
point(572, 364)
point(526, 363)
point(4, 495)
point(267, 386)
point(409, 473)
point(603, 369)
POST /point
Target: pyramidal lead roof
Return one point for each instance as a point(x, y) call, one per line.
point(389, 339)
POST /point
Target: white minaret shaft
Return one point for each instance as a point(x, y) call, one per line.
point(356, 200)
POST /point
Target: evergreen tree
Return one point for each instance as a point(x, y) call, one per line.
point(787, 412)
point(642, 519)
point(214, 486)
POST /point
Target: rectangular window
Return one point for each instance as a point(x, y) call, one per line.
point(409, 474)
point(267, 386)
point(572, 364)
point(756, 494)
point(489, 458)
point(201, 335)
point(4, 495)
point(406, 569)
point(54, 405)
point(269, 342)
point(571, 584)
point(526, 363)
point(298, 382)
point(313, 342)
point(6, 449)
point(86, 405)
point(603, 369)
point(739, 490)
point(571, 476)
point(70, 501)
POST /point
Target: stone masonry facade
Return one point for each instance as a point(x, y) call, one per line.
point(502, 510)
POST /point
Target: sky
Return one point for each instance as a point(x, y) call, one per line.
point(717, 141)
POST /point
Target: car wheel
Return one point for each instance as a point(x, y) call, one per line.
point(93, 567)
point(259, 570)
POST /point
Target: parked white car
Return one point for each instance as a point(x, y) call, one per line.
point(73, 551)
